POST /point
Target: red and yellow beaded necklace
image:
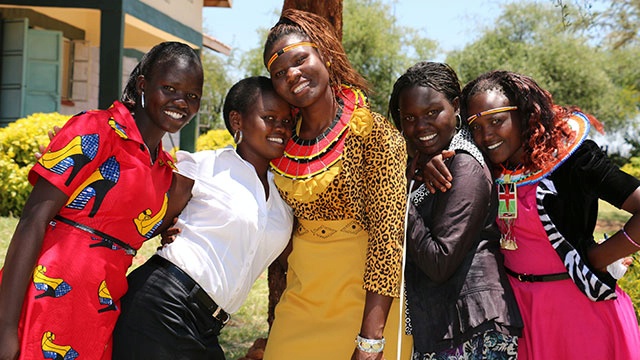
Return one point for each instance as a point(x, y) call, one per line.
point(305, 158)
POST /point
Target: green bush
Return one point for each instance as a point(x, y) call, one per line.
point(18, 142)
point(21, 139)
point(630, 283)
point(214, 139)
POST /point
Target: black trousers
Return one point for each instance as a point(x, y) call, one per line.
point(161, 319)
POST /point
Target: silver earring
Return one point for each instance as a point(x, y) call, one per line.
point(458, 122)
point(237, 137)
point(142, 99)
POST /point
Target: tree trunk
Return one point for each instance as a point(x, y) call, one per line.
point(328, 9)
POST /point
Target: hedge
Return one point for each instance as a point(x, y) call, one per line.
point(21, 139)
point(18, 143)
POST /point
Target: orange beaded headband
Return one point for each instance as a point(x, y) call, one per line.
point(473, 117)
point(287, 48)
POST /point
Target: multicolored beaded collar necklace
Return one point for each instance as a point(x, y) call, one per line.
point(305, 158)
point(509, 181)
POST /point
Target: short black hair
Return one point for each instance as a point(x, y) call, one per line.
point(243, 95)
point(437, 76)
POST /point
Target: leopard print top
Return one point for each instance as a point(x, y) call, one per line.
point(370, 188)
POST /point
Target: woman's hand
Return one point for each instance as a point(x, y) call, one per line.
point(169, 235)
point(435, 175)
point(618, 268)
point(51, 133)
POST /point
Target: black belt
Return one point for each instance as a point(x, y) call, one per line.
point(205, 300)
point(537, 278)
point(107, 240)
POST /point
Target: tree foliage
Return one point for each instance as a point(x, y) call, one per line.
point(379, 48)
point(216, 84)
point(534, 39)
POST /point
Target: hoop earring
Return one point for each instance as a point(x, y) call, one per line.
point(328, 64)
point(237, 137)
point(458, 122)
point(142, 99)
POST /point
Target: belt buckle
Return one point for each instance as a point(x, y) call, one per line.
point(524, 278)
point(217, 312)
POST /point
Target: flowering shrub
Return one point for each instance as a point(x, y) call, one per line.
point(632, 167)
point(214, 139)
point(18, 143)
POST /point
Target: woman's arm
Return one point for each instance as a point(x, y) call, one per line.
point(179, 196)
point(456, 220)
point(42, 205)
point(373, 322)
point(623, 243)
point(384, 190)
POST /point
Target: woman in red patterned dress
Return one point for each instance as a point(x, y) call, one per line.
point(99, 193)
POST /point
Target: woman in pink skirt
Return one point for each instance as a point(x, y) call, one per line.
point(549, 179)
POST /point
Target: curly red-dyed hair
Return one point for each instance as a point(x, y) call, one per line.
point(545, 131)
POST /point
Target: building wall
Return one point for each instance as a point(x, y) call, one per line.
point(188, 12)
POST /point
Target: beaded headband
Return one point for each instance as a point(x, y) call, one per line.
point(287, 48)
point(473, 117)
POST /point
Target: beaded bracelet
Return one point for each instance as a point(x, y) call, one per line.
point(370, 345)
point(629, 238)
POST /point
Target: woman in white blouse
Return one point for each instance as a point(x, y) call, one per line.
point(232, 223)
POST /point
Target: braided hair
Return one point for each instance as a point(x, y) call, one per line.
point(243, 95)
point(314, 28)
point(544, 129)
point(165, 52)
point(437, 76)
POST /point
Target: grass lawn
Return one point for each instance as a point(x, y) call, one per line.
point(250, 322)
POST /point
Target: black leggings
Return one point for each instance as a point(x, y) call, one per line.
point(161, 320)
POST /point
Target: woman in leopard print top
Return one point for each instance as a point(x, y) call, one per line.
point(343, 174)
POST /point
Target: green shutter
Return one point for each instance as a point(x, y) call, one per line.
point(12, 85)
point(44, 71)
point(31, 70)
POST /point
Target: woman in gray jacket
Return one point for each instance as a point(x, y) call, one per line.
point(460, 304)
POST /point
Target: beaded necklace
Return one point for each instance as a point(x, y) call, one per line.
point(304, 159)
point(509, 180)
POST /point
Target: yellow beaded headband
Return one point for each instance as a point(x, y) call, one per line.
point(473, 117)
point(287, 48)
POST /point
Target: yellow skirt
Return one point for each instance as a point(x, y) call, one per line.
point(320, 312)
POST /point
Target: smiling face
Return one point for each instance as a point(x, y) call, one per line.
point(498, 135)
point(266, 128)
point(428, 119)
point(299, 74)
point(172, 94)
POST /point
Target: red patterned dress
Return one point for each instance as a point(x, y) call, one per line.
point(101, 162)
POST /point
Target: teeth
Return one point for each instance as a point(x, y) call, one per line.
point(491, 147)
point(174, 114)
point(276, 140)
point(427, 137)
point(300, 87)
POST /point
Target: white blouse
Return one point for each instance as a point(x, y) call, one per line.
point(230, 232)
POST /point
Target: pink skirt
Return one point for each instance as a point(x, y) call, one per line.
point(560, 322)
